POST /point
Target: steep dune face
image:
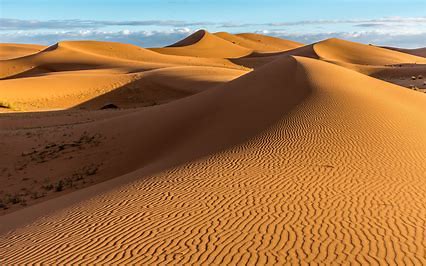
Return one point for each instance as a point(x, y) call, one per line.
point(306, 175)
point(14, 50)
point(205, 44)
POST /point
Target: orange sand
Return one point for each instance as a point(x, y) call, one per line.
point(309, 158)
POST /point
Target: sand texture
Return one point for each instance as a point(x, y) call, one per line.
point(220, 149)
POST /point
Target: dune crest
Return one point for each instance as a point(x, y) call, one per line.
point(204, 44)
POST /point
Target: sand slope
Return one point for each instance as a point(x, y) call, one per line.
point(259, 43)
point(345, 53)
point(13, 50)
point(83, 55)
point(204, 44)
point(278, 43)
point(416, 52)
point(313, 170)
point(94, 88)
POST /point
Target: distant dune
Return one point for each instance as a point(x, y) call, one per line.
point(417, 52)
point(218, 149)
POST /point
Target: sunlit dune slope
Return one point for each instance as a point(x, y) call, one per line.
point(13, 50)
point(259, 43)
point(276, 44)
point(82, 55)
point(319, 165)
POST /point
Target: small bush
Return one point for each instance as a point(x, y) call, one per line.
point(3, 205)
point(47, 187)
point(59, 186)
point(14, 199)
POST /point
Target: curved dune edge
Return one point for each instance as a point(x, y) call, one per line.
point(14, 50)
point(319, 186)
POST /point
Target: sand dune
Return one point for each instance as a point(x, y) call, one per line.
point(82, 55)
point(226, 45)
point(204, 44)
point(259, 43)
point(301, 160)
point(341, 52)
point(14, 50)
point(280, 44)
point(416, 52)
point(95, 88)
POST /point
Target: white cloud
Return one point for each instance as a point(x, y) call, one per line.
point(396, 31)
point(21, 24)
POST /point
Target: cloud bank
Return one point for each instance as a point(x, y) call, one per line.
point(396, 31)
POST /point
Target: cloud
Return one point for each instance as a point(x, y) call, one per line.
point(21, 24)
point(380, 38)
point(394, 31)
point(141, 38)
point(166, 37)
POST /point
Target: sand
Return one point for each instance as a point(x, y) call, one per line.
point(308, 158)
point(14, 50)
point(417, 52)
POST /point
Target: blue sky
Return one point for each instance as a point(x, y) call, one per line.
point(160, 22)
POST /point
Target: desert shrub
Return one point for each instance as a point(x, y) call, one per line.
point(59, 186)
point(3, 205)
point(14, 199)
point(47, 187)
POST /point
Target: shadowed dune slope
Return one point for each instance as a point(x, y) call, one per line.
point(327, 171)
point(82, 55)
point(416, 52)
point(13, 50)
point(95, 88)
point(205, 44)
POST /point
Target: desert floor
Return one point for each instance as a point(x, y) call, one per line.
point(219, 149)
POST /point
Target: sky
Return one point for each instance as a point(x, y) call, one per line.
point(153, 23)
